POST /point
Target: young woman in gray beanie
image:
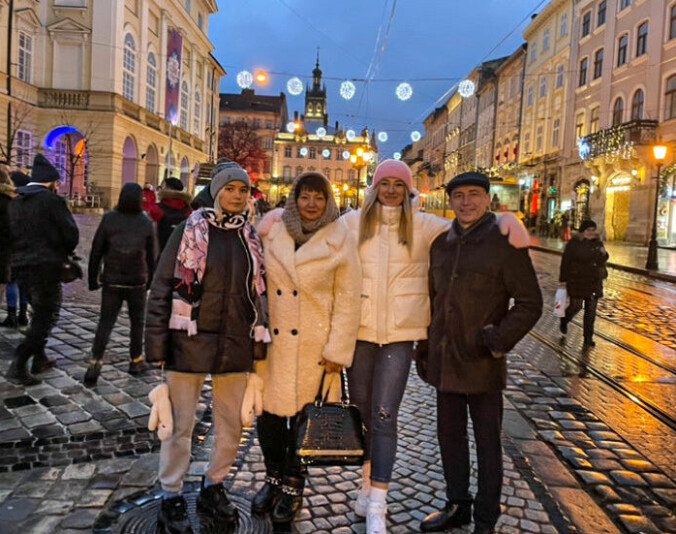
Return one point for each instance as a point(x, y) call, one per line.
point(207, 314)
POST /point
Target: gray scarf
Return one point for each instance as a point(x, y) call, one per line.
point(302, 231)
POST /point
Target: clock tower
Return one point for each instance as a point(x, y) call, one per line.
point(315, 97)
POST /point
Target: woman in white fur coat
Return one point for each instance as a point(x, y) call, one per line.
point(314, 285)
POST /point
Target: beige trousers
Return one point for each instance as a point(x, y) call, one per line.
point(184, 392)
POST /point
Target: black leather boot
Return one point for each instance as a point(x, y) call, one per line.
point(22, 319)
point(214, 509)
point(173, 517)
point(93, 372)
point(18, 371)
point(453, 516)
point(10, 320)
point(483, 529)
point(265, 498)
point(41, 363)
point(290, 500)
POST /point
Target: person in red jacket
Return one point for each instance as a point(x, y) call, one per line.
point(172, 210)
point(149, 197)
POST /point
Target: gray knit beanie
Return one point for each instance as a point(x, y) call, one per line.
point(224, 172)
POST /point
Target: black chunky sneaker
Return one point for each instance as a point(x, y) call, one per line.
point(214, 509)
point(173, 517)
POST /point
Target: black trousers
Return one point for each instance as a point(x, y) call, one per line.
point(276, 437)
point(486, 412)
point(589, 314)
point(43, 284)
point(111, 302)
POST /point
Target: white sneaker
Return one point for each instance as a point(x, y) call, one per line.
point(376, 520)
point(361, 504)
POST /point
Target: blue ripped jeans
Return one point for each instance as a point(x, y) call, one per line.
point(377, 381)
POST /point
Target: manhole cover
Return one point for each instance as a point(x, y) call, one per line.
point(142, 518)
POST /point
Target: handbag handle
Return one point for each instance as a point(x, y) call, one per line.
point(345, 394)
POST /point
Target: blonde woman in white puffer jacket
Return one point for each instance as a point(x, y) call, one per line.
point(394, 244)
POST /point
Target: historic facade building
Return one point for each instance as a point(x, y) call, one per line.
point(111, 92)
point(308, 142)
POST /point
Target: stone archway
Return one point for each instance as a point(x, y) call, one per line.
point(618, 194)
point(129, 161)
point(152, 170)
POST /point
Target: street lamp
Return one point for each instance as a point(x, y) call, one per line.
point(660, 154)
point(359, 159)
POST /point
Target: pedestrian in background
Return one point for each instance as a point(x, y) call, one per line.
point(7, 193)
point(173, 208)
point(314, 281)
point(583, 269)
point(44, 234)
point(207, 314)
point(474, 273)
point(124, 244)
point(149, 197)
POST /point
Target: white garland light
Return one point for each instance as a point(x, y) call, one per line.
point(367, 156)
point(321, 131)
point(404, 91)
point(347, 90)
point(350, 135)
point(326, 153)
point(303, 151)
point(466, 88)
point(382, 137)
point(397, 155)
point(415, 136)
point(290, 126)
point(346, 154)
point(294, 86)
point(244, 79)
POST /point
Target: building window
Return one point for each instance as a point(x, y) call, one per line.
point(526, 144)
point(299, 171)
point(598, 63)
point(287, 151)
point(559, 76)
point(197, 115)
point(188, 6)
point(563, 29)
point(579, 125)
point(582, 80)
point(543, 86)
point(25, 57)
point(268, 124)
point(287, 171)
point(672, 23)
point(256, 124)
point(545, 40)
point(530, 95)
point(601, 13)
point(586, 24)
point(298, 153)
point(185, 102)
point(556, 133)
point(23, 146)
point(200, 21)
point(533, 52)
point(624, 4)
point(642, 39)
point(637, 105)
point(618, 111)
point(622, 46)
point(313, 153)
point(327, 173)
point(539, 138)
point(151, 81)
point(339, 175)
point(670, 98)
point(594, 120)
point(129, 67)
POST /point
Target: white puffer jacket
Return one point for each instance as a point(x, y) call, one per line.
point(395, 304)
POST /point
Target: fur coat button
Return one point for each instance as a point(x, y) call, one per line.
point(294, 332)
point(279, 291)
point(276, 331)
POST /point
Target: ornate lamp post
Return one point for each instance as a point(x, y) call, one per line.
point(360, 158)
point(660, 154)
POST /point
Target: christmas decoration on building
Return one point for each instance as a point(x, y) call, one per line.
point(466, 88)
point(350, 135)
point(244, 79)
point(347, 90)
point(382, 137)
point(321, 131)
point(304, 151)
point(290, 126)
point(346, 154)
point(326, 153)
point(404, 91)
point(294, 86)
point(415, 136)
point(396, 155)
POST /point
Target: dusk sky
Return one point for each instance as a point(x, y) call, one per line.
point(427, 39)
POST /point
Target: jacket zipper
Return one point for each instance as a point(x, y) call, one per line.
point(249, 279)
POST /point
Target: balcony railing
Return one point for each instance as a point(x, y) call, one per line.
point(617, 140)
point(55, 98)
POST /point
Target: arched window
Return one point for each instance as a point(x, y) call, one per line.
point(197, 115)
point(618, 111)
point(670, 98)
point(185, 102)
point(151, 82)
point(129, 68)
point(637, 105)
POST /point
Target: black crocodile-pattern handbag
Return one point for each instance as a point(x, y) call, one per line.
point(330, 433)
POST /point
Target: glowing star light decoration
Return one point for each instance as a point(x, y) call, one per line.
point(346, 154)
point(326, 153)
point(244, 79)
point(415, 136)
point(382, 137)
point(294, 86)
point(466, 88)
point(350, 135)
point(397, 155)
point(303, 151)
point(321, 131)
point(290, 126)
point(404, 91)
point(347, 89)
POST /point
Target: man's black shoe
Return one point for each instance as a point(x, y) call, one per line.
point(173, 517)
point(289, 501)
point(215, 509)
point(563, 326)
point(266, 497)
point(41, 363)
point(454, 515)
point(18, 371)
point(482, 529)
